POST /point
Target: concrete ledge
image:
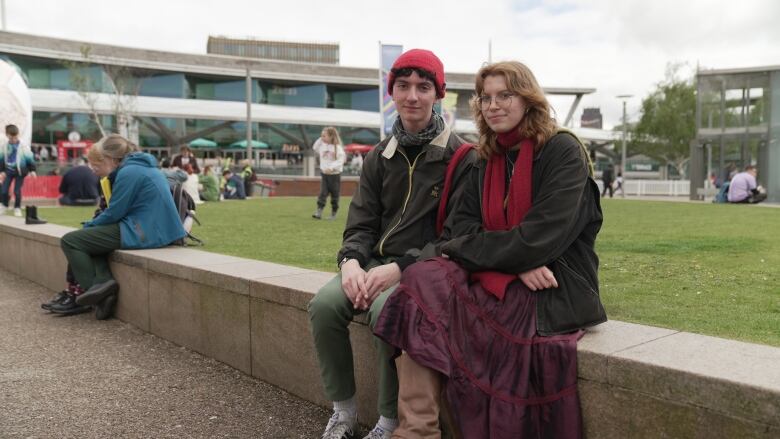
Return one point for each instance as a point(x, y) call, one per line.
point(635, 380)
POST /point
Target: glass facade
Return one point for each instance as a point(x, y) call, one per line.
point(163, 135)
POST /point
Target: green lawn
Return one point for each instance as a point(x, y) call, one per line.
point(710, 269)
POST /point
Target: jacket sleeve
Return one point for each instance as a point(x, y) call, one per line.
point(462, 210)
point(29, 159)
point(122, 195)
point(365, 213)
point(549, 227)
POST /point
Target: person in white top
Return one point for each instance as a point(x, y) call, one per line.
point(332, 156)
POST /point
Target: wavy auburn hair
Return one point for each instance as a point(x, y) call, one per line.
point(537, 124)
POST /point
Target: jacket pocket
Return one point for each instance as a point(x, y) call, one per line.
point(574, 305)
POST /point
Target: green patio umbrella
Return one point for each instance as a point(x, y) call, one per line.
point(256, 144)
point(202, 143)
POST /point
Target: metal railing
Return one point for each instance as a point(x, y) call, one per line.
point(671, 188)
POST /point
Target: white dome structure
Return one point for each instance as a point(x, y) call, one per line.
point(15, 104)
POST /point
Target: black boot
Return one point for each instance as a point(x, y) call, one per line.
point(105, 309)
point(69, 307)
point(59, 298)
point(31, 215)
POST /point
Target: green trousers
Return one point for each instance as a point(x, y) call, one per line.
point(87, 252)
point(330, 313)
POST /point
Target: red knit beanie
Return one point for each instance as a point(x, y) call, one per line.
point(420, 59)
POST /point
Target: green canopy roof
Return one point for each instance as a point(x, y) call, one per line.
point(203, 143)
point(255, 144)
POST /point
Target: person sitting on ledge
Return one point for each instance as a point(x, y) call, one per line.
point(141, 215)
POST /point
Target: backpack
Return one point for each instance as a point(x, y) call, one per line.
point(185, 207)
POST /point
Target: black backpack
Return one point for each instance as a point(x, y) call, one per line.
point(185, 207)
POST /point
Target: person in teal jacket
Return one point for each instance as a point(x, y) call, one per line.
point(141, 215)
point(16, 162)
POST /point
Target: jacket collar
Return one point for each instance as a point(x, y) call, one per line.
point(440, 141)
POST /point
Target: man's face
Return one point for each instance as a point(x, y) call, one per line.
point(13, 138)
point(753, 172)
point(414, 97)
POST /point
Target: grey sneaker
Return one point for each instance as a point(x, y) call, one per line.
point(340, 426)
point(379, 433)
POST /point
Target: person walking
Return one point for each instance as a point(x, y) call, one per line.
point(331, 153)
point(16, 163)
point(608, 177)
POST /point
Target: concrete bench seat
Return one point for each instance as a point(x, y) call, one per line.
point(635, 380)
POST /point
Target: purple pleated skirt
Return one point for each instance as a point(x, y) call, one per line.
point(503, 379)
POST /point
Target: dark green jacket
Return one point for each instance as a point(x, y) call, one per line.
point(393, 213)
point(559, 231)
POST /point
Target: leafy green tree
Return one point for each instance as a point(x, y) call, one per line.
point(667, 122)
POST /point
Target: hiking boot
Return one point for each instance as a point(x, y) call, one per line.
point(18, 212)
point(317, 214)
point(69, 307)
point(31, 215)
point(96, 293)
point(340, 426)
point(59, 298)
point(105, 309)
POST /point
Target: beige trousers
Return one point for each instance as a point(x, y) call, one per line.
point(419, 402)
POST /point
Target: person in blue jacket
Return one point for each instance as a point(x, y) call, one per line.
point(141, 215)
point(16, 162)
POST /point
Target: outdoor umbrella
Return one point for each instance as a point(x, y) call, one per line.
point(358, 148)
point(256, 144)
point(203, 143)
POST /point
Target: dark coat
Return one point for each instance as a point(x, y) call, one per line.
point(393, 212)
point(559, 231)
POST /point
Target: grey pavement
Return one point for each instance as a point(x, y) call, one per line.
point(76, 377)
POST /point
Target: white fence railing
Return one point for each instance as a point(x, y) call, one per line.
point(672, 188)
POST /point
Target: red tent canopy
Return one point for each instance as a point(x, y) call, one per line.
point(357, 147)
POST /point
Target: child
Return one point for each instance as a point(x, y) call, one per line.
point(234, 186)
point(17, 161)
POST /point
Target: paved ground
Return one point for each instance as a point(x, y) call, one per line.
point(75, 377)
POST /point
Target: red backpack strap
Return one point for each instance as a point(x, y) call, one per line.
point(460, 153)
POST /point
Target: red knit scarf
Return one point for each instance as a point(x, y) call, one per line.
point(502, 211)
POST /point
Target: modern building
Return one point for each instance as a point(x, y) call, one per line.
point(591, 118)
point(322, 53)
point(169, 99)
point(737, 124)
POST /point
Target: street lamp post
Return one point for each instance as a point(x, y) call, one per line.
point(625, 134)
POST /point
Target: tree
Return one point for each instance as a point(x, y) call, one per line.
point(123, 86)
point(667, 122)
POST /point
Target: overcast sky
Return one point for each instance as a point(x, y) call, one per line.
point(617, 47)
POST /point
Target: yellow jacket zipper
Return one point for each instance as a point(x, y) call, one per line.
point(406, 202)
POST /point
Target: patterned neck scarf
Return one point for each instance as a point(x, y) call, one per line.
point(424, 137)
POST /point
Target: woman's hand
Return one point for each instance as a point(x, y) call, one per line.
point(538, 279)
point(379, 279)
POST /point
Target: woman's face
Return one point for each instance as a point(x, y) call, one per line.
point(501, 108)
point(103, 167)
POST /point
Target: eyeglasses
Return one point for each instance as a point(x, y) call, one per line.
point(503, 100)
